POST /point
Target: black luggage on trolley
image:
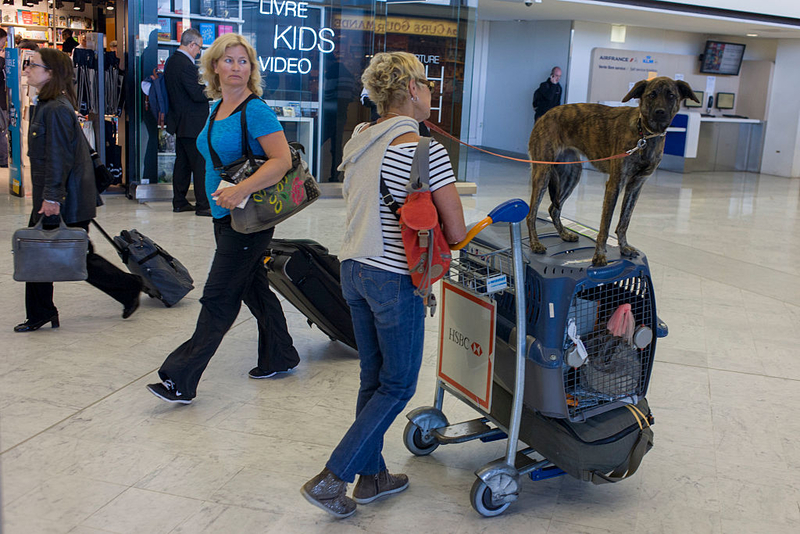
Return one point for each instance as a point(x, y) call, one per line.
point(164, 277)
point(305, 273)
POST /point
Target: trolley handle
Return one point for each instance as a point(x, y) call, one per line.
point(510, 211)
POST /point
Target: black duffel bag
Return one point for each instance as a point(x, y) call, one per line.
point(163, 276)
point(605, 448)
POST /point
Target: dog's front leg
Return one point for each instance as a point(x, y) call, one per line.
point(626, 211)
point(609, 202)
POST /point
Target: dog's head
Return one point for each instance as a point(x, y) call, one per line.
point(659, 100)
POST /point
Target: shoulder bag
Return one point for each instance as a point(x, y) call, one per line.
point(57, 255)
point(269, 206)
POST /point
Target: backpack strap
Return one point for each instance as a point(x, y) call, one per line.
point(419, 178)
point(246, 150)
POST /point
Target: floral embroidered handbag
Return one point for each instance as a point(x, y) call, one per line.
point(267, 207)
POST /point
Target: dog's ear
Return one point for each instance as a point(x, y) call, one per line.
point(686, 91)
point(637, 91)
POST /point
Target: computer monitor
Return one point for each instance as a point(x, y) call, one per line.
point(725, 100)
point(692, 104)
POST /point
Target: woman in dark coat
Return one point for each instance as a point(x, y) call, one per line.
point(63, 182)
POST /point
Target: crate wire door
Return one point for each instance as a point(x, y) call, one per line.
point(615, 369)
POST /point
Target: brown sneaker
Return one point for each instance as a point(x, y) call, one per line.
point(370, 487)
point(327, 491)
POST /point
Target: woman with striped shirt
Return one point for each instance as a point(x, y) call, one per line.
point(388, 318)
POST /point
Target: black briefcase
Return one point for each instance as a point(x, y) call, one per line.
point(57, 255)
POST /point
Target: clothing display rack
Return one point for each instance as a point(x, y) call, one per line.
point(90, 88)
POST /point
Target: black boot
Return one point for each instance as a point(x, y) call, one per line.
point(30, 326)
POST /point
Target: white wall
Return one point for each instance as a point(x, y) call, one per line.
point(784, 8)
point(519, 58)
point(590, 35)
point(782, 139)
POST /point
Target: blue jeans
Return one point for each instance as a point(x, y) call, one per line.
point(389, 324)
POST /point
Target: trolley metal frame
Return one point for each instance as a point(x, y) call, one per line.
point(498, 482)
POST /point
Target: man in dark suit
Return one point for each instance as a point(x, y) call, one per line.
point(187, 114)
point(70, 43)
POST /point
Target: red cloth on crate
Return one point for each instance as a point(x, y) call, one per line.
point(622, 323)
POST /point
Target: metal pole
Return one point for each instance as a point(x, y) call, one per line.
point(100, 120)
point(519, 386)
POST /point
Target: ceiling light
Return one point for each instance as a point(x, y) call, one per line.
point(617, 33)
point(752, 35)
point(8, 2)
point(110, 6)
point(78, 5)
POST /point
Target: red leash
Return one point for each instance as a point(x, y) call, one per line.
point(438, 130)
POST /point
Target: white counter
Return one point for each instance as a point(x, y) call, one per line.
point(713, 143)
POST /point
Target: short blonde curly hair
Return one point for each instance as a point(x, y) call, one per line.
point(209, 60)
point(387, 76)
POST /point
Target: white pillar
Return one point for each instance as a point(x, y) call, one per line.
point(781, 155)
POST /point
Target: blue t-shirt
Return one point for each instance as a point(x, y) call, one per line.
point(227, 139)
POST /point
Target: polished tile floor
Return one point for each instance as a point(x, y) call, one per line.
point(84, 448)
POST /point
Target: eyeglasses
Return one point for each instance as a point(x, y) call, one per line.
point(427, 83)
point(28, 63)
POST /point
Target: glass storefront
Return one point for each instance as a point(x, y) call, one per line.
point(311, 55)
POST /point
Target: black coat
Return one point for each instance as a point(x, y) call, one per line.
point(546, 97)
point(61, 166)
point(69, 45)
point(188, 105)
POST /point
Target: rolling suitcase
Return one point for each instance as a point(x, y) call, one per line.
point(307, 276)
point(164, 277)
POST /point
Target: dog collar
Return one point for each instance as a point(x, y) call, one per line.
point(642, 142)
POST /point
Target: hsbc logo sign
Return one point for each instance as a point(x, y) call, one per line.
point(463, 341)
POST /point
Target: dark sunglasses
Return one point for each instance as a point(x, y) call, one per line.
point(28, 63)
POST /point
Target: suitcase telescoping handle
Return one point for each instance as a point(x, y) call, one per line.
point(108, 237)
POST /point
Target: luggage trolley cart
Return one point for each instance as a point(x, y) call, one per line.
point(483, 276)
point(540, 306)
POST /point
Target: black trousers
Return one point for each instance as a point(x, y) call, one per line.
point(189, 163)
point(237, 275)
point(119, 285)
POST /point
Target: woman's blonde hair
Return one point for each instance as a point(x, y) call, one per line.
point(387, 76)
point(209, 60)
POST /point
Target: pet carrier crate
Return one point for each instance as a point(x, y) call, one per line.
point(551, 362)
point(570, 303)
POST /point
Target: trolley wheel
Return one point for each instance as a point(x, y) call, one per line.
point(416, 442)
point(482, 500)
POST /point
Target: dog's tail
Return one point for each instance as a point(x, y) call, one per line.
point(566, 177)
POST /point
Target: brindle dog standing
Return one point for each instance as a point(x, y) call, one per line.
point(597, 131)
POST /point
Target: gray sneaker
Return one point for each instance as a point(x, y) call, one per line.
point(370, 487)
point(327, 491)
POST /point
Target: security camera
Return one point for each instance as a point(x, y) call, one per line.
point(529, 3)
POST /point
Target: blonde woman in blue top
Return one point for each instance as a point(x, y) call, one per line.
point(230, 71)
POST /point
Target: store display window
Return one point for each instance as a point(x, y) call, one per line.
point(311, 55)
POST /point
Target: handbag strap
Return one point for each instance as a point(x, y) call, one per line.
point(40, 223)
point(245, 144)
point(419, 178)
